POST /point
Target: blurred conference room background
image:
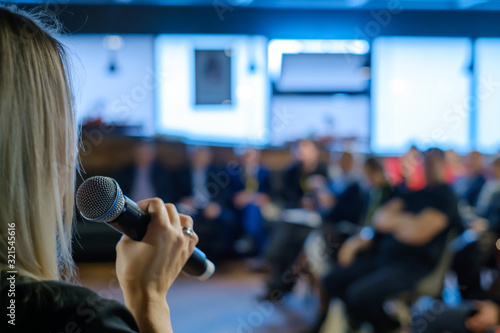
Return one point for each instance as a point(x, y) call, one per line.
point(168, 86)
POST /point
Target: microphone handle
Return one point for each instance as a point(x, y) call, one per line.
point(133, 222)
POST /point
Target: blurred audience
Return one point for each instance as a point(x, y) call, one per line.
point(414, 228)
point(203, 192)
point(433, 316)
point(252, 190)
point(289, 237)
point(363, 244)
point(349, 197)
point(380, 243)
point(407, 171)
point(146, 177)
point(477, 316)
point(469, 185)
point(490, 188)
point(454, 168)
point(414, 177)
point(347, 207)
point(474, 246)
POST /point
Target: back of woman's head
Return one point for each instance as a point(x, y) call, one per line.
point(37, 149)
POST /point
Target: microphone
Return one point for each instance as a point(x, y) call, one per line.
point(100, 199)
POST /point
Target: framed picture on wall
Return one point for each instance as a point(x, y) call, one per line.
point(213, 77)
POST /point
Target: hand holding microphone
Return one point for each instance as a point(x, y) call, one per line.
point(156, 245)
point(147, 269)
point(100, 199)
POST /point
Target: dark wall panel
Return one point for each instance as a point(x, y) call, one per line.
point(277, 23)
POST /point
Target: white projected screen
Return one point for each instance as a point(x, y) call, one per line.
point(113, 80)
point(420, 93)
point(187, 74)
point(487, 65)
point(338, 116)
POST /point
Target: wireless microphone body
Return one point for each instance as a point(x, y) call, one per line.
point(100, 199)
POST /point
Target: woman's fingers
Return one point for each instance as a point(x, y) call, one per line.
point(165, 215)
point(156, 209)
point(187, 221)
point(173, 215)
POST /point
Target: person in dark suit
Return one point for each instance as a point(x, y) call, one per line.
point(288, 238)
point(350, 198)
point(296, 193)
point(146, 177)
point(251, 186)
point(203, 191)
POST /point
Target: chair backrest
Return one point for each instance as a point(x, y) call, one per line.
point(432, 284)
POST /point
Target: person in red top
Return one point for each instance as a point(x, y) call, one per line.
point(407, 172)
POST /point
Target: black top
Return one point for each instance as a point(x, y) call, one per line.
point(217, 184)
point(493, 214)
point(56, 307)
point(294, 183)
point(440, 197)
point(474, 187)
point(349, 206)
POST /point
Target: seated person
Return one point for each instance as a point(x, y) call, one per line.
point(470, 259)
point(252, 190)
point(411, 171)
point(492, 215)
point(490, 188)
point(146, 177)
point(476, 316)
point(349, 197)
point(469, 186)
point(454, 167)
point(432, 316)
point(414, 228)
point(288, 239)
point(380, 192)
point(348, 205)
point(202, 191)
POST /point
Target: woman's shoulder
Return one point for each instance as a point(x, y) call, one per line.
point(55, 306)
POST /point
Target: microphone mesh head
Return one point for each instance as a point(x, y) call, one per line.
point(100, 199)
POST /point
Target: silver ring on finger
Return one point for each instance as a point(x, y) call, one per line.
point(188, 231)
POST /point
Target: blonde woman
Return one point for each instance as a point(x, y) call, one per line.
point(38, 149)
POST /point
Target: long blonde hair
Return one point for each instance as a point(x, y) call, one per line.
point(38, 148)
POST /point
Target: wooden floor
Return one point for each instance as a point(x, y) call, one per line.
point(224, 304)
